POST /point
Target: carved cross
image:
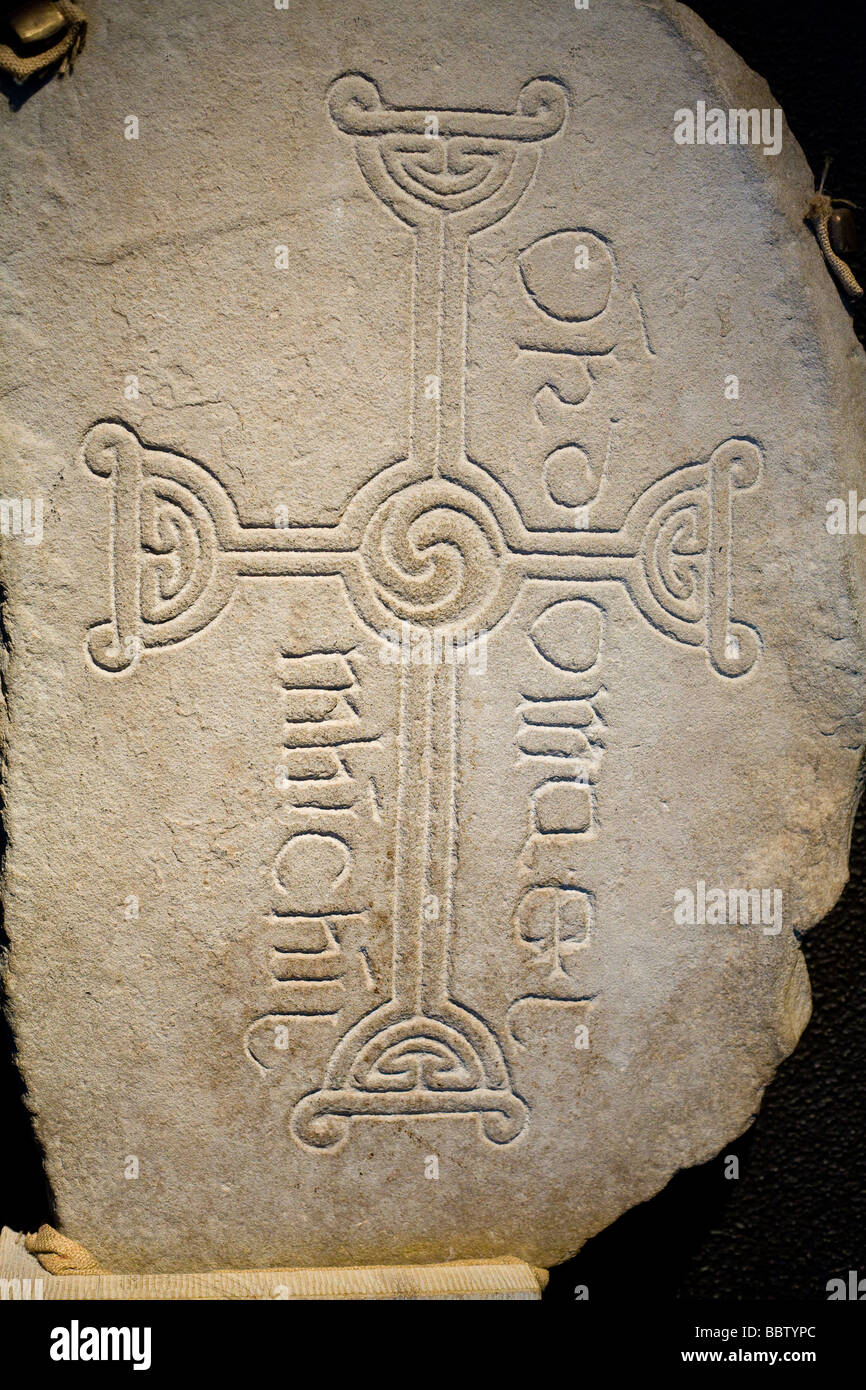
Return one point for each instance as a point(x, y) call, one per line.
point(435, 541)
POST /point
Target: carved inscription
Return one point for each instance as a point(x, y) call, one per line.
point(437, 541)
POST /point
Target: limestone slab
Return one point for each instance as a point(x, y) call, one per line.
point(433, 606)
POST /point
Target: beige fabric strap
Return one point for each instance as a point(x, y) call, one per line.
point(26, 1272)
point(818, 213)
point(64, 52)
point(60, 1255)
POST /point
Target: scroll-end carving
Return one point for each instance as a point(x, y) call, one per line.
point(356, 108)
point(102, 445)
point(353, 100)
point(733, 647)
point(111, 450)
point(169, 574)
point(320, 1120)
point(316, 1125)
point(545, 100)
point(111, 652)
point(737, 653)
point(684, 587)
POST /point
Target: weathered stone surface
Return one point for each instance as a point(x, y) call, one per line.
point(306, 943)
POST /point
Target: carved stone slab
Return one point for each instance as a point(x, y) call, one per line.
point(434, 706)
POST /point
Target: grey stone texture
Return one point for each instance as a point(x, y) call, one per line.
point(421, 622)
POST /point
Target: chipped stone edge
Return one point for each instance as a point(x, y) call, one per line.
point(790, 177)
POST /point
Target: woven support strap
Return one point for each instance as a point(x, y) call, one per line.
point(50, 1266)
point(60, 1255)
point(818, 213)
point(61, 54)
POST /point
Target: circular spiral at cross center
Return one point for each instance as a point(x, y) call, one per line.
point(433, 552)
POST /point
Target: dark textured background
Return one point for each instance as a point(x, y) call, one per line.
point(796, 1216)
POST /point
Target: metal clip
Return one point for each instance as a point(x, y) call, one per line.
point(40, 35)
point(36, 22)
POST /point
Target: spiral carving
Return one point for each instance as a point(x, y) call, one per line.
point(179, 550)
point(675, 557)
point(433, 553)
point(449, 175)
